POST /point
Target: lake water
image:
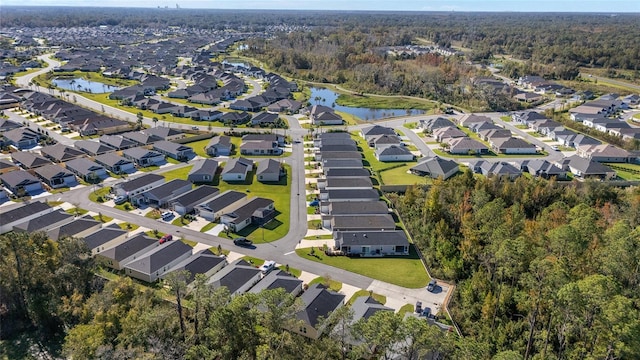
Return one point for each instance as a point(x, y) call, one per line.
point(326, 97)
point(84, 85)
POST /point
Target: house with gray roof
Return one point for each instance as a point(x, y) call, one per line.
point(435, 167)
point(337, 155)
point(24, 212)
point(362, 308)
point(257, 211)
point(319, 303)
point(86, 169)
point(173, 150)
point(384, 140)
point(129, 250)
point(575, 140)
point(376, 130)
point(6, 165)
point(61, 153)
point(238, 277)
point(372, 242)
point(350, 195)
point(115, 163)
point(466, 146)
point(138, 185)
point(21, 138)
point(354, 208)
point(203, 171)
point(279, 279)
point(543, 169)
point(162, 195)
point(324, 148)
point(117, 142)
point(221, 204)
point(236, 169)
point(512, 145)
point(604, 153)
point(329, 164)
point(269, 170)
point(219, 146)
point(203, 262)
point(500, 168)
point(158, 261)
point(6, 125)
point(359, 222)
point(56, 176)
point(105, 238)
point(435, 123)
point(93, 148)
point(187, 202)
point(444, 134)
point(340, 183)
point(393, 153)
point(468, 120)
point(586, 168)
point(335, 173)
point(164, 133)
point(77, 228)
point(140, 138)
point(45, 222)
point(143, 157)
point(21, 183)
point(29, 160)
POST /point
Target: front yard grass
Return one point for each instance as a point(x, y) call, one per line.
point(401, 176)
point(77, 211)
point(407, 271)
point(180, 173)
point(379, 298)
point(208, 227)
point(330, 283)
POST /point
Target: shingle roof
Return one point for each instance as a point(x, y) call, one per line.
point(360, 238)
point(234, 275)
point(319, 303)
point(130, 247)
point(160, 257)
point(93, 147)
point(103, 236)
point(277, 279)
point(140, 182)
point(166, 189)
point(43, 222)
point(195, 196)
point(75, 227)
point(23, 211)
point(225, 199)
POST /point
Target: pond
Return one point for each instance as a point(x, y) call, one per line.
point(326, 97)
point(79, 84)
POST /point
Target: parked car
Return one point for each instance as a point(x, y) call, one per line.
point(242, 242)
point(432, 285)
point(166, 215)
point(419, 307)
point(120, 199)
point(314, 202)
point(267, 267)
point(165, 238)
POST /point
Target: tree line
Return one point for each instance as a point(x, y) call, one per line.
point(545, 270)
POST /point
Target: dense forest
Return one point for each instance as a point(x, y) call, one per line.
point(546, 270)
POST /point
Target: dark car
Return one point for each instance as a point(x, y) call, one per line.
point(242, 241)
point(419, 307)
point(432, 285)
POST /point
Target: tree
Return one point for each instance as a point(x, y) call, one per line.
point(139, 120)
point(379, 333)
point(155, 121)
point(177, 281)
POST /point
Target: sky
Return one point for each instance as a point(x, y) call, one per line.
point(608, 6)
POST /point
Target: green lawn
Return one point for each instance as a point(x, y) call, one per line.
point(400, 176)
point(411, 125)
point(180, 221)
point(505, 118)
point(180, 173)
point(153, 214)
point(332, 284)
point(408, 308)
point(407, 272)
point(103, 218)
point(292, 271)
point(383, 102)
point(257, 262)
point(128, 226)
point(279, 192)
point(379, 298)
point(319, 237)
point(629, 172)
point(208, 227)
point(77, 211)
point(349, 119)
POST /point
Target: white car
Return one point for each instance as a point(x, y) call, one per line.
point(166, 215)
point(267, 267)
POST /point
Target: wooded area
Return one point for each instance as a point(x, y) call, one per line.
point(546, 270)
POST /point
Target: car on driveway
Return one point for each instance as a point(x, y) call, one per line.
point(165, 238)
point(432, 285)
point(267, 267)
point(166, 215)
point(120, 199)
point(242, 242)
point(314, 202)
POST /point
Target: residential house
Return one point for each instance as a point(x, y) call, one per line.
point(575, 140)
point(131, 249)
point(102, 125)
point(349, 195)
point(489, 135)
point(279, 279)
point(468, 120)
point(6, 166)
point(93, 148)
point(278, 139)
point(269, 170)
point(117, 142)
point(362, 309)
point(382, 222)
point(337, 155)
point(164, 133)
point(432, 124)
point(77, 228)
point(28, 160)
point(527, 117)
point(206, 115)
point(161, 195)
point(115, 163)
point(376, 130)
point(219, 146)
point(203, 171)
point(324, 138)
point(500, 169)
point(141, 138)
point(7, 125)
point(44, 223)
point(86, 169)
point(321, 115)
point(318, 304)
point(105, 238)
point(55, 176)
point(235, 118)
point(21, 138)
point(137, 185)
point(330, 164)
point(543, 169)
point(604, 153)
point(143, 157)
point(285, 105)
point(586, 168)
point(61, 153)
point(176, 151)
point(25, 212)
point(435, 167)
point(202, 262)
point(393, 153)
point(512, 145)
point(382, 141)
point(344, 183)
point(347, 173)
point(21, 183)
point(445, 134)
point(221, 204)
point(338, 147)
point(372, 243)
point(528, 97)
point(257, 211)
point(236, 169)
point(466, 146)
point(264, 119)
point(187, 202)
point(260, 147)
point(238, 277)
point(354, 208)
point(158, 261)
